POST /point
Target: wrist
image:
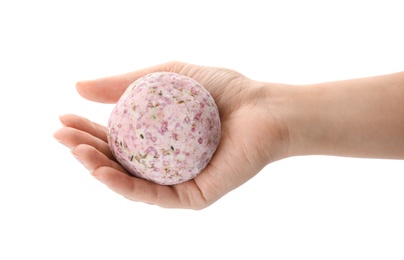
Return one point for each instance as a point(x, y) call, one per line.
point(305, 115)
point(271, 100)
point(295, 117)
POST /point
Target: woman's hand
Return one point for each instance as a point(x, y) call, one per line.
point(253, 135)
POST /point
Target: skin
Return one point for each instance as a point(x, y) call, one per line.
point(261, 123)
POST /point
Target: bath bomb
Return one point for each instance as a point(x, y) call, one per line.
point(165, 128)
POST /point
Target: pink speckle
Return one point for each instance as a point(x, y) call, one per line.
point(163, 127)
point(198, 115)
point(194, 91)
point(151, 151)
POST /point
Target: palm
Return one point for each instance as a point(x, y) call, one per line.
point(236, 160)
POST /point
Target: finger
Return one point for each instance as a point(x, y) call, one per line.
point(116, 178)
point(137, 189)
point(110, 89)
point(84, 125)
point(72, 137)
point(92, 158)
point(185, 195)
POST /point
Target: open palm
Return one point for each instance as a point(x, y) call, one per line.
point(248, 140)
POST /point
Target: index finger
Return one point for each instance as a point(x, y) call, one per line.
point(110, 89)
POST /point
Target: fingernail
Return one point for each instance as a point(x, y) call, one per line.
point(81, 83)
point(57, 139)
point(97, 176)
point(79, 159)
point(61, 120)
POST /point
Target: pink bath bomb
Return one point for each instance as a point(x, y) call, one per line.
point(165, 128)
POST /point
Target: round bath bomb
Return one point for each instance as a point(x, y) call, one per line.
point(165, 128)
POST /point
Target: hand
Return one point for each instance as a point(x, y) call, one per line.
point(251, 138)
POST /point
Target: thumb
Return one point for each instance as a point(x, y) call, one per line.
point(110, 89)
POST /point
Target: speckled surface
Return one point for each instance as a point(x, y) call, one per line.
point(164, 128)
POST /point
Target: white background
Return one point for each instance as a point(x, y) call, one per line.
point(312, 207)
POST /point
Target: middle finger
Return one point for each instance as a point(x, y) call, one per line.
point(72, 137)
